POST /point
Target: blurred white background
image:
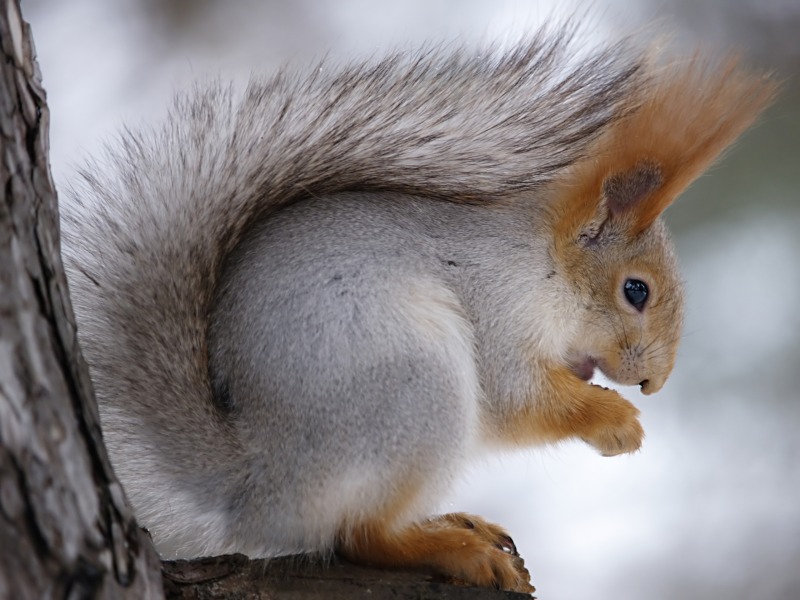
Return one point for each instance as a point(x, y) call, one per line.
point(710, 508)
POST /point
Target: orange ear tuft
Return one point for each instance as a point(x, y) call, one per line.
point(687, 115)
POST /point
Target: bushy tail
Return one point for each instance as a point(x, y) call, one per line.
point(145, 234)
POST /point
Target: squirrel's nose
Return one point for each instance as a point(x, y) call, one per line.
point(651, 385)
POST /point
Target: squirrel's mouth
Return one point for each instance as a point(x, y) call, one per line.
point(584, 367)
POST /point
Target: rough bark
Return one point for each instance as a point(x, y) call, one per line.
point(65, 528)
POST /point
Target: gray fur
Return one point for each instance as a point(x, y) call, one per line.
point(321, 300)
point(280, 322)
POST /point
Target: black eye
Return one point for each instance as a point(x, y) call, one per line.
point(636, 293)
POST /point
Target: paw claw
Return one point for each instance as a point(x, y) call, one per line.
point(506, 544)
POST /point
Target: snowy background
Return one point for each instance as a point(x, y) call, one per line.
point(710, 508)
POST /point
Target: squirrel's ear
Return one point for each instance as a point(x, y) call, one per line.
point(686, 115)
point(628, 193)
point(623, 199)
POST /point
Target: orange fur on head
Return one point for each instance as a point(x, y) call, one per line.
point(688, 114)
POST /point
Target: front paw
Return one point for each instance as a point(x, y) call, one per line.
point(618, 431)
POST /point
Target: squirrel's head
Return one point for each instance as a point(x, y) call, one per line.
point(610, 245)
point(629, 309)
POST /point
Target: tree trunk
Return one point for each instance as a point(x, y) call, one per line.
point(66, 530)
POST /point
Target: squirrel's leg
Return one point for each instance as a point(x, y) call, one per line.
point(464, 547)
point(568, 407)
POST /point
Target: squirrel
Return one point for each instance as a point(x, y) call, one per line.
point(306, 305)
